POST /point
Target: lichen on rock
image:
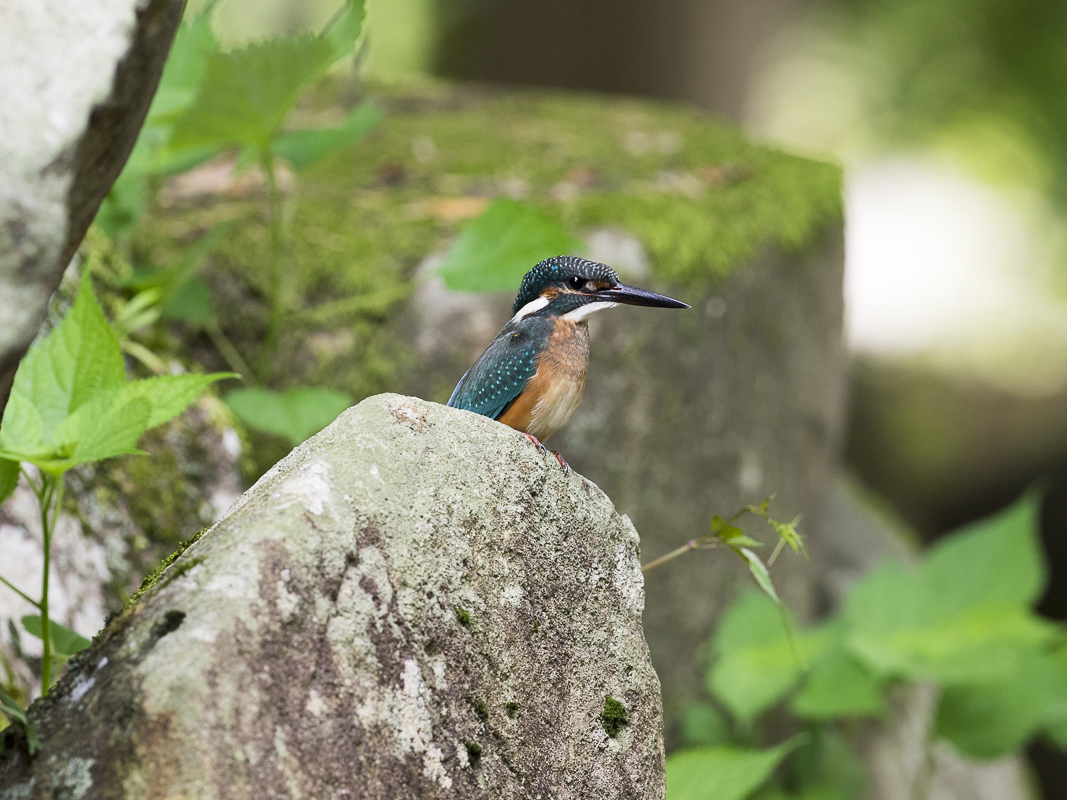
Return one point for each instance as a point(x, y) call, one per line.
point(313, 647)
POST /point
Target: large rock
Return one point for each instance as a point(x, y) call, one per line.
point(77, 80)
point(414, 603)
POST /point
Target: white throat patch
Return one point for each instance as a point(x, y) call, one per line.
point(582, 312)
point(534, 305)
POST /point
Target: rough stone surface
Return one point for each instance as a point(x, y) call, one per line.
point(77, 78)
point(414, 603)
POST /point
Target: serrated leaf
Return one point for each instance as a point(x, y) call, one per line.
point(78, 359)
point(302, 149)
point(836, 686)
point(295, 414)
point(65, 641)
point(111, 425)
point(9, 477)
point(721, 773)
point(753, 664)
point(247, 93)
point(988, 720)
point(961, 615)
point(495, 250)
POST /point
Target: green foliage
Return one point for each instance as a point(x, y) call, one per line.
point(721, 773)
point(754, 666)
point(495, 250)
point(65, 641)
point(11, 708)
point(9, 477)
point(990, 718)
point(294, 415)
point(962, 615)
point(70, 403)
point(303, 149)
point(962, 618)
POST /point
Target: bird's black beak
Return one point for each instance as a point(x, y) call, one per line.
point(632, 296)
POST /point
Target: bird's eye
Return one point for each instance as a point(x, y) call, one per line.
point(575, 282)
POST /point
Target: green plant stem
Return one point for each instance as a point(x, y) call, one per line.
point(18, 591)
point(277, 266)
point(51, 502)
point(223, 344)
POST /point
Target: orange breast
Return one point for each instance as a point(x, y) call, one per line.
point(555, 391)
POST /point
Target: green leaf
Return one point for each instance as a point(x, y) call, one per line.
point(185, 68)
point(721, 773)
point(9, 478)
point(754, 667)
point(345, 30)
point(112, 424)
point(703, 724)
point(838, 686)
point(495, 250)
point(760, 573)
point(77, 360)
point(961, 615)
point(295, 414)
point(9, 707)
point(65, 641)
point(302, 149)
point(991, 719)
point(247, 93)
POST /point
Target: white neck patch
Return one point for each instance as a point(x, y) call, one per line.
point(582, 312)
point(534, 305)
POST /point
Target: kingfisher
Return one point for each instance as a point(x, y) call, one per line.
point(532, 375)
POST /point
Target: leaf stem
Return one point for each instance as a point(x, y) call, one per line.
point(51, 500)
point(223, 344)
point(277, 264)
point(18, 591)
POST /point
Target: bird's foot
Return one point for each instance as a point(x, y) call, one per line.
point(562, 462)
point(540, 447)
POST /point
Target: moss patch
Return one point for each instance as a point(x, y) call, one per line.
point(464, 617)
point(614, 716)
point(157, 574)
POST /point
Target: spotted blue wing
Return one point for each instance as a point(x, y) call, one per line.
point(503, 370)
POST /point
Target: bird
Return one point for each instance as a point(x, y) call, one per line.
point(532, 375)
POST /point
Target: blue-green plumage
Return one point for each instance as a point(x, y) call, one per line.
point(532, 374)
point(504, 369)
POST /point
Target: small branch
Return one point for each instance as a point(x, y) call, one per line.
point(692, 544)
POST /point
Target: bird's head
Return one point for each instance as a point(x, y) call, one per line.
point(572, 287)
